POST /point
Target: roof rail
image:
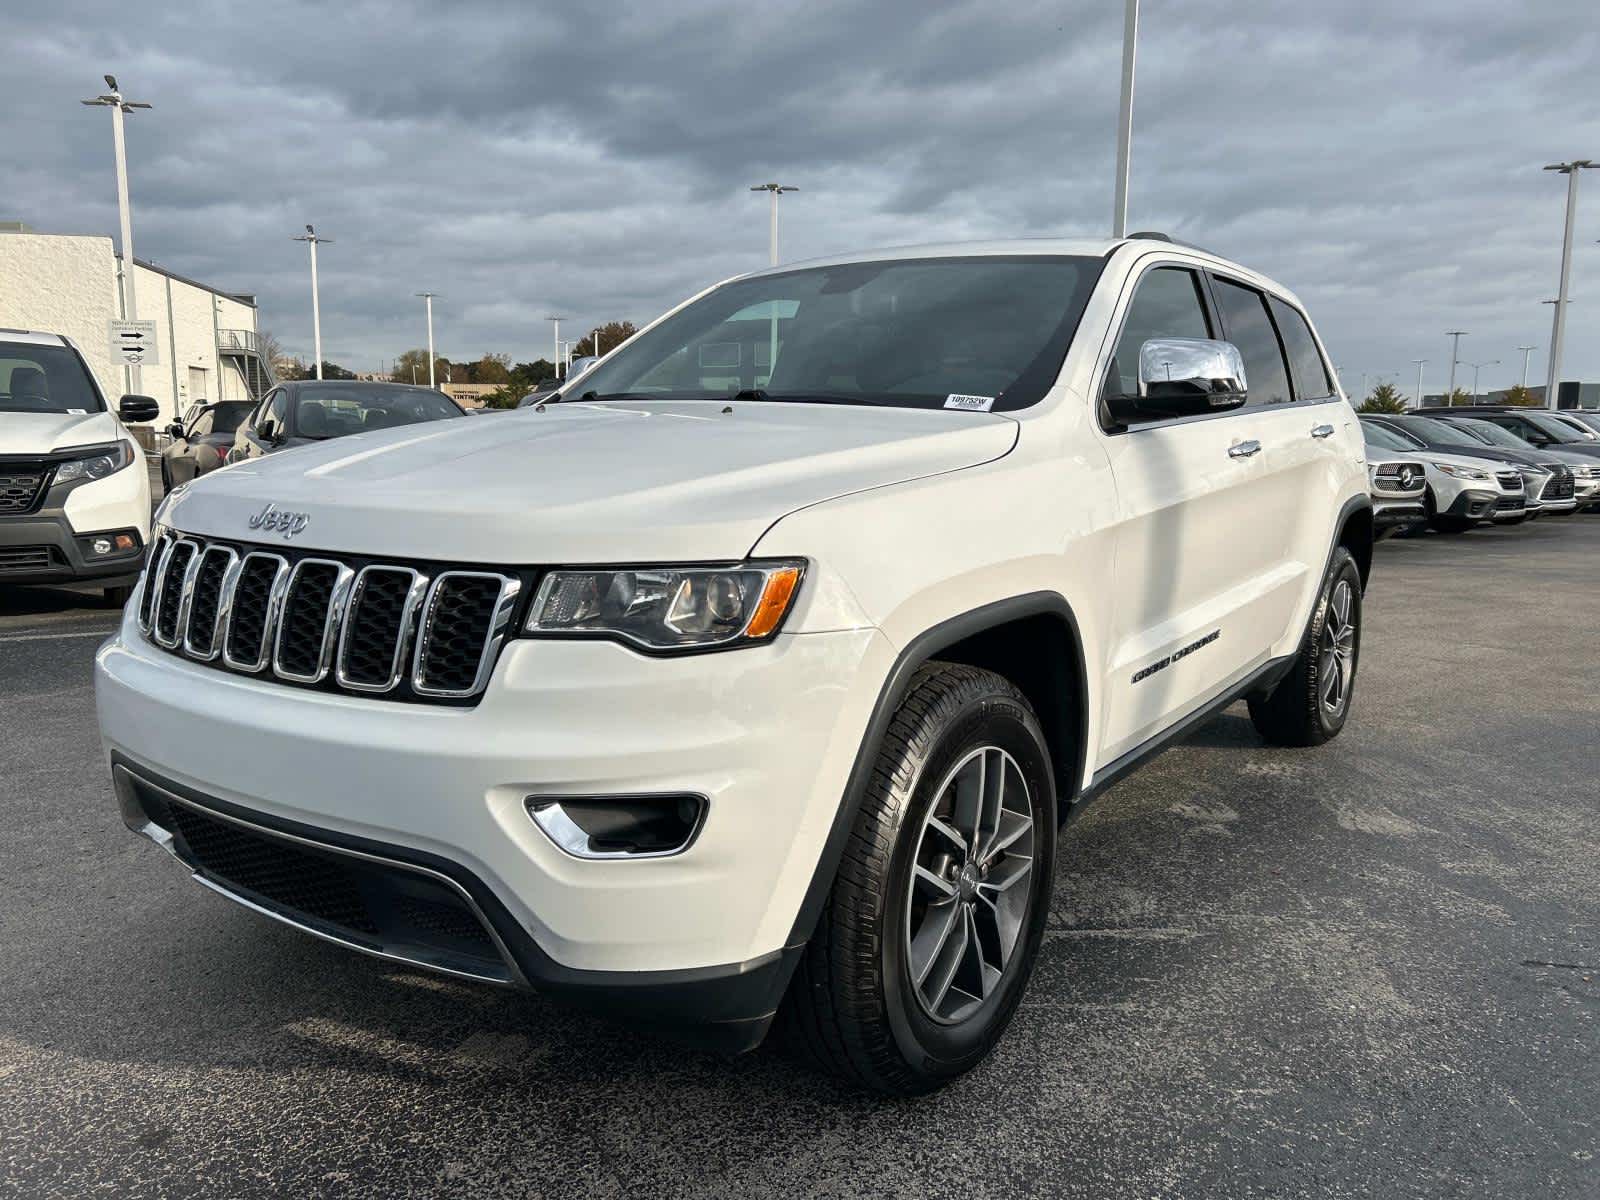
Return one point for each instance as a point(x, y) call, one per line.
point(1152, 235)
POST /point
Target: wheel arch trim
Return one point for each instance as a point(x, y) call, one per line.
point(921, 649)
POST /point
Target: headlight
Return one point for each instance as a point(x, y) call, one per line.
point(96, 462)
point(1461, 472)
point(668, 608)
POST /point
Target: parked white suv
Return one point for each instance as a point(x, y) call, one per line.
point(74, 492)
point(765, 670)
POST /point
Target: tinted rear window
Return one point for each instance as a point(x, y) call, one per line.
point(43, 379)
point(1310, 373)
point(1247, 326)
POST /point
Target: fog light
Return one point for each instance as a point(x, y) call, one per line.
point(102, 545)
point(619, 826)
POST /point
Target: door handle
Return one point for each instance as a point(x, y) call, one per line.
point(1321, 431)
point(1244, 449)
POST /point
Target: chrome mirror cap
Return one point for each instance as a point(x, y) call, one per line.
point(1191, 375)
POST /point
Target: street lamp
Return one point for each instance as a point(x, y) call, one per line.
point(428, 296)
point(1476, 367)
point(311, 238)
point(130, 305)
point(1419, 362)
point(1130, 41)
point(1526, 352)
point(774, 190)
point(1559, 324)
point(556, 360)
point(1455, 336)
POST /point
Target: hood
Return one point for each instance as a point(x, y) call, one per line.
point(594, 483)
point(1470, 461)
point(40, 433)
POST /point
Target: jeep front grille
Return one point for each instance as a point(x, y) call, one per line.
point(405, 632)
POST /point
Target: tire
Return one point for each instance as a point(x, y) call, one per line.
point(855, 1007)
point(116, 597)
point(1296, 712)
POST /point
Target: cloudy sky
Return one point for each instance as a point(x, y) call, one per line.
point(1381, 159)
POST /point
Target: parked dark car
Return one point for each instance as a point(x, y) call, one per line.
point(201, 443)
point(1530, 424)
point(313, 410)
point(542, 391)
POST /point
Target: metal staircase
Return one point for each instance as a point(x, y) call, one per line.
point(242, 348)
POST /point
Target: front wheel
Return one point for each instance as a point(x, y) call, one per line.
point(930, 932)
point(1312, 702)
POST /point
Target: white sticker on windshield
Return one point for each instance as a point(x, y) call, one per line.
point(77, 412)
point(970, 403)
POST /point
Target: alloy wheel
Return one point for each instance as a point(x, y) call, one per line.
point(970, 885)
point(1336, 665)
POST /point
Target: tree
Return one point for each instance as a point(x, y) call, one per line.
point(1459, 396)
point(492, 368)
point(418, 359)
point(291, 368)
point(612, 334)
point(1385, 398)
point(332, 370)
point(1521, 397)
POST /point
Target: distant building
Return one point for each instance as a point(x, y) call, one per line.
point(1572, 394)
point(207, 340)
point(469, 395)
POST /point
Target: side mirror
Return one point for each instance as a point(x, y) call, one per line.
point(1183, 377)
point(175, 431)
point(267, 431)
point(133, 408)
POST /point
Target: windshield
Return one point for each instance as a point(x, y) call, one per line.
point(1558, 431)
point(1384, 438)
point(45, 379)
point(1429, 429)
point(229, 415)
point(329, 412)
point(1495, 435)
point(977, 333)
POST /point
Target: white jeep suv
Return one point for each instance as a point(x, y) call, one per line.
point(74, 493)
point(762, 672)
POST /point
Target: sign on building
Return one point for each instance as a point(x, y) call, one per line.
point(134, 343)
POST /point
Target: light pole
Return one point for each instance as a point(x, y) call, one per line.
point(125, 270)
point(1476, 367)
point(1559, 324)
point(311, 238)
point(1455, 336)
point(428, 296)
point(774, 190)
point(1130, 42)
point(1527, 351)
point(1419, 362)
point(556, 351)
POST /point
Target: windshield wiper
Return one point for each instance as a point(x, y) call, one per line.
point(751, 394)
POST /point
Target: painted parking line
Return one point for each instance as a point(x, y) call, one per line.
point(48, 637)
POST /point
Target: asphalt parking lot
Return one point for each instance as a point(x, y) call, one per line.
point(1371, 969)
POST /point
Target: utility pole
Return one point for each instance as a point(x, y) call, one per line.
point(1130, 41)
point(1559, 325)
point(311, 238)
point(555, 359)
point(1527, 352)
point(1419, 362)
point(126, 271)
point(1455, 336)
point(1476, 367)
point(428, 296)
point(774, 190)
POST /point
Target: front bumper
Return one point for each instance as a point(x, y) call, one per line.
point(1473, 504)
point(1386, 514)
point(767, 734)
point(47, 544)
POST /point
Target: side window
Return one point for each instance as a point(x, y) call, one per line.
point(1166, 304)
point(1306, 365)
point(1247, 326)
point(201, 426)
point(277, 410)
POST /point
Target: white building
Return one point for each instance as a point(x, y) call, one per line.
point(206, 340)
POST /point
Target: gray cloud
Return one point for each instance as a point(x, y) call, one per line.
point(1381, 160)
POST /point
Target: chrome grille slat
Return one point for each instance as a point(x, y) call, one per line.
point(416, 591)
point(331, 608)
point(259, 642)
point(373, 628)
point(505, 601)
